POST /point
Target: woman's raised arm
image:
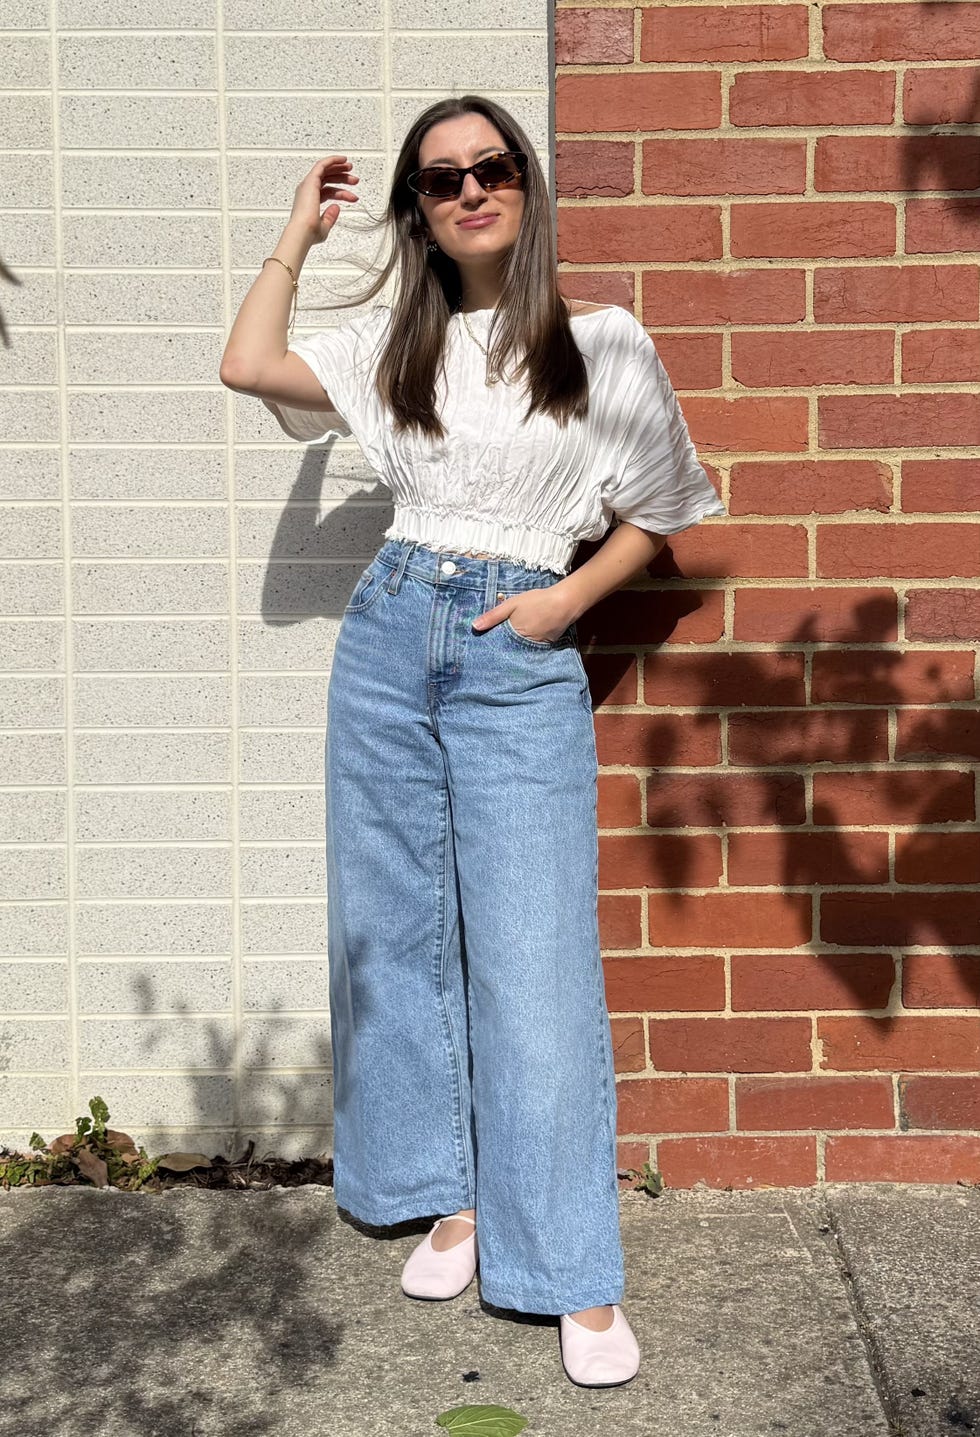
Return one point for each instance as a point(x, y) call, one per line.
point(256, 358)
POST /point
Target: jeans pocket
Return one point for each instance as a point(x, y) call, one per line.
point(563, 640)
point(368, 588)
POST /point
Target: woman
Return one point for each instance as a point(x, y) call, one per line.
point(472, 1056)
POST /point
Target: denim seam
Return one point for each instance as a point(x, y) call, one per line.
point(451, 1044)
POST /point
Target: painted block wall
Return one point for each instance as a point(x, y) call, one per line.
point(173, 568)
point(788, 197)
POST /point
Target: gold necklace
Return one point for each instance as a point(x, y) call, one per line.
point(462, 314)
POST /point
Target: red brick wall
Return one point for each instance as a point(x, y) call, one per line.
point(785, 709)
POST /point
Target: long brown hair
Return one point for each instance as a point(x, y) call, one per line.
point(531, 324)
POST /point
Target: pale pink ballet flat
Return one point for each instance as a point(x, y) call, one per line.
point(430, 1273)
point(599, 1359)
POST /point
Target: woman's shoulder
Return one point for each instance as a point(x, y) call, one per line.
point(614, 313)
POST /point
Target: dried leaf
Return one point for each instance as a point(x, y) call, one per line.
point(183, 1162)
point(92, 1167)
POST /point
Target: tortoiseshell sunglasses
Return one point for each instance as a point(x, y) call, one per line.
point(446, 181)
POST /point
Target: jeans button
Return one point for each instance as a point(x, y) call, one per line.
point(448, 567)
point(500, 596)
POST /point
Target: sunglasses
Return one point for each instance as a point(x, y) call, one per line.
point(446, 182)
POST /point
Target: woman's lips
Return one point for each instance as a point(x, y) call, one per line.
point(477, 222)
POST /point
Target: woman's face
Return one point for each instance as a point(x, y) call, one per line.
point(462, 141)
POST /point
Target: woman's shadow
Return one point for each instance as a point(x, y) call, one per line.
point(330, 527)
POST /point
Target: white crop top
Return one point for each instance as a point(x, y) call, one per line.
point(495, 485)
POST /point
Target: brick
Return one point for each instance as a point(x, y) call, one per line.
point(935, 1102)
point(693, 983)
point(627, 103)
point(943, 614)
point(693, 361)
point(816, 616)
point(941, 226)
point(738, 551)
point(723, 680)
point(783, 982)
point(629, 1047)
point(772, 422)
point(618, 800)
point(939, 733)
point(891, 420)
point(889, 920)
point(723, 800)
point(901, 32)
point(731, 920)
point(593, 37)
point(902, 1159)
point(898, 550)
point(672, 1105)
point(644, 617)
point(771, 1104)
point(902, 293)
point(814, 228)
point(808, 486)
point(613, 678)
point(888, 676)
point(941, 980)
point(941, 486)
point(630, 1155)
point(818, 736)
point(899, 796)
point(659, 860)
point(744, 296)
point(724, 167)
point(601, 168)
point(812, 97)
point(937, 858)
point(794, 860)
point(625, 234)
point(882, 163)
point(654, 740)
point(600, 286)
point(620, 918)
point(730, 1045)
point(724, 32)
point(767, 358)
point(857, 1044)
point(738, 1163)
point(937, 356)
point(939, 96)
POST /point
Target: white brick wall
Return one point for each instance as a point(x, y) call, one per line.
point(172, 569)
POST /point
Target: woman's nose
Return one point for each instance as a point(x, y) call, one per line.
point(472, 189)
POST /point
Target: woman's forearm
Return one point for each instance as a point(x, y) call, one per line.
point(259, 333)
point(623, 555)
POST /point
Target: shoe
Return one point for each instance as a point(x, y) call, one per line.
point(430, 1273)
point(599, 1359)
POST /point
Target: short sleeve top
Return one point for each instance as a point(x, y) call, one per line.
point(527, 490)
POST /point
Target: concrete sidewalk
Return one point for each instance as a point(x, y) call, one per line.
point(847, 1311)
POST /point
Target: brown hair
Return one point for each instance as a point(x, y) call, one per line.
point(531, 324)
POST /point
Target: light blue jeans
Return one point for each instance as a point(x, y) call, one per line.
point(472, 1054)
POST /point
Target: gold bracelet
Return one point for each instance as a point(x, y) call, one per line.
point(295, 283)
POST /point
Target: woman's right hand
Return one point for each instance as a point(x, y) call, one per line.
point(324, 181)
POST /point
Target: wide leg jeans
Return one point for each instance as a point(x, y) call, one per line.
point(471, 1047)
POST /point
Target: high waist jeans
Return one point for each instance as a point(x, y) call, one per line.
point(472, 1054)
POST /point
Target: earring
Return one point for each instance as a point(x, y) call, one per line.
point(432, 247)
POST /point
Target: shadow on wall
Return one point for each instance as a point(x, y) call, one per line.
point(831, 869)
point(941, 161)
point(8, 276)
point(304, 577)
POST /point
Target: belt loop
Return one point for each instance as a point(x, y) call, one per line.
point(394, 583)
point(490, 593)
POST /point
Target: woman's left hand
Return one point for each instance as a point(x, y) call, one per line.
point(541, 614)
